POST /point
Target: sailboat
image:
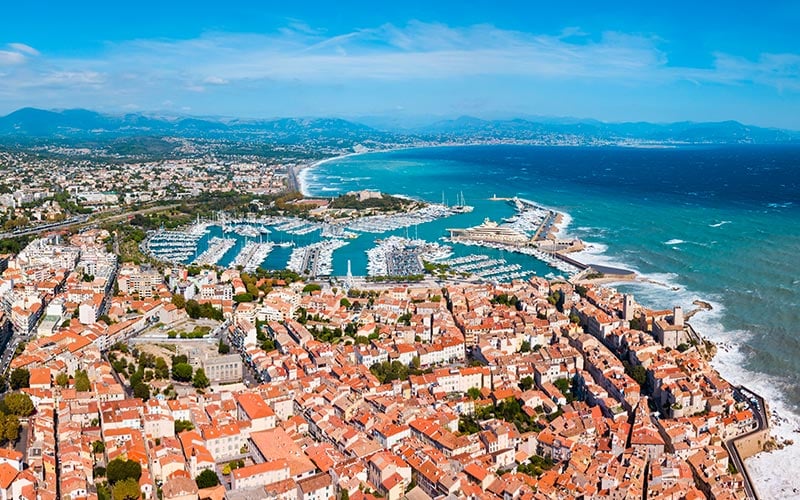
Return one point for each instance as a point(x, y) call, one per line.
point(461, 207)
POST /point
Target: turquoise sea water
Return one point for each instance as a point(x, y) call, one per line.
point(721, 224)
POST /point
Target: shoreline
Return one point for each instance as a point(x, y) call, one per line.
point(728, 360)
point(297, 181)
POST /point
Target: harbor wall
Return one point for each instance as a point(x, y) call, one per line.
point(570, 260)
point(751, 444)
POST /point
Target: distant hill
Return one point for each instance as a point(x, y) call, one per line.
point(679, 132)
point(81, 123)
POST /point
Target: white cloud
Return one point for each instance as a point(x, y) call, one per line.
point(23, 48)
point(299, 54)
point(215, 80)
point(8, 58)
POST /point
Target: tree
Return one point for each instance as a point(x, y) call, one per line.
point(200, 381)
point(243, 297)
point(207, 479)
point(127, 489)
point(344, 303)
point(223, 348)
point(142, 391)
point(182, 372)
point(62, 379)
point(473, 393)
point(98, 447)
point(82, 383)
point(162, 370)
point(20, 378)
point(183, 425)
point(11, 428)
point(119, 470)
point(178, 301)
point(526, 383)
point(19, 404)
point(311, 287)
point(525, 346)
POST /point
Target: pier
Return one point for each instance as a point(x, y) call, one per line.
point(252, 255)
point(315, 259)
point(217, 248)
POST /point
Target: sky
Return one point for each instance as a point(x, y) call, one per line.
point(410, 60)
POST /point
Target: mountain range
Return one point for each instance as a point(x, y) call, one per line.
point(81, 123)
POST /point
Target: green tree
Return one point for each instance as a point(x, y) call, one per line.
point(11, 428)
point(182, 372)
point(178, 301)
point(183, 425)
point(311, 287)
point(162, 370)
point(119, 470)
point(82, 383)
point(207, 479)
point(525, 346)
point(142, 391)
point(19, 404)
point(20, 378)
point(127, 489)
point(98, 447)
point(200, 381)
point(344, 302)
point(62, 379)
point(474, 393)
point(526, 383)
point(223, 348)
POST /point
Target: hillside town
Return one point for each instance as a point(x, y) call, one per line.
point(129, 381)
point(61, 183)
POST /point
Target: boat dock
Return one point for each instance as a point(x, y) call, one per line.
point(252, 255)
point(315, 259)
point(217, 248)
point(172, 246)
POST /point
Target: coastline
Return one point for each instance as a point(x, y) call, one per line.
point(297, 180)
point(770, 470)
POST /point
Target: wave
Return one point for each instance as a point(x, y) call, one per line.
point(774, 473)
point(721, 223)
point(674, 242)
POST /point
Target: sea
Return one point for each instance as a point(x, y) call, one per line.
point(719, 224)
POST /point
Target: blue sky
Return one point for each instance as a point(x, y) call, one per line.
point(611, 61)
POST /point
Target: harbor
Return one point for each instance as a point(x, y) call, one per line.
point(522, 244)
point(173, 246)
point(396, 256)
point(252, 255)
point(315, 259)
point(217, 248)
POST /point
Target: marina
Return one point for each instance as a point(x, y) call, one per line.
point(304, 244)
point(385, 223)
point(252, 255)
point(396, 256)
point(217, 248)
point(172, 246)
point(315, 259)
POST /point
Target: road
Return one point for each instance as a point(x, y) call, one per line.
point(81, 220)
point(757, 405)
